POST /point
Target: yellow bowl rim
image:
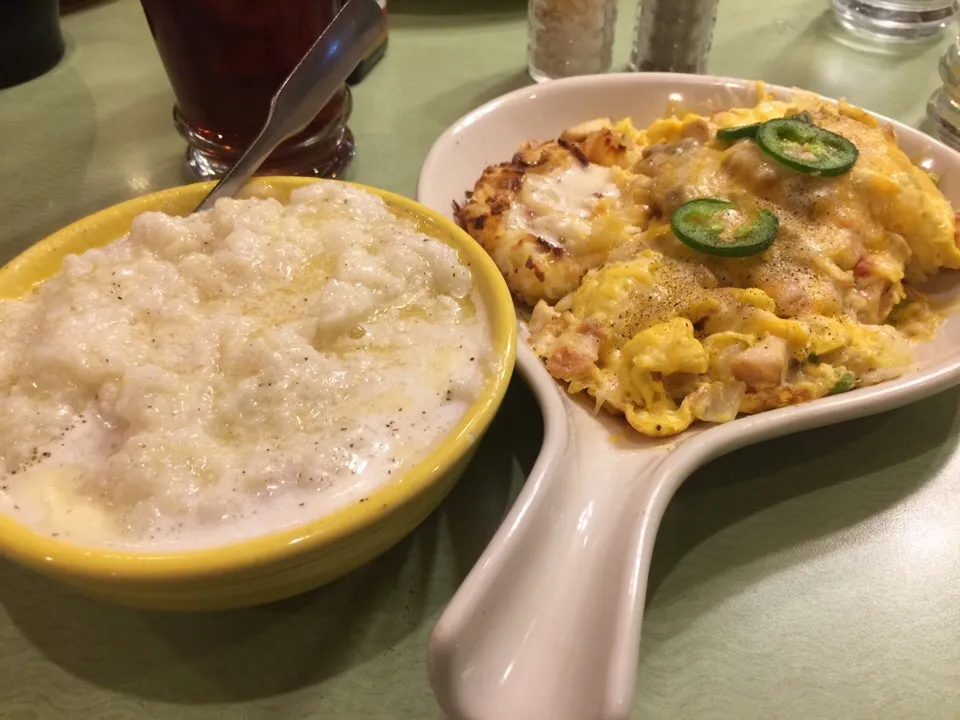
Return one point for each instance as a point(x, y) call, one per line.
point(101, 564)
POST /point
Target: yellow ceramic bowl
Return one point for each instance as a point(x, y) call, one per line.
point(284, 563)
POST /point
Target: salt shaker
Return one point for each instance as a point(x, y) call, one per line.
point(673, 35)
point(570, 37)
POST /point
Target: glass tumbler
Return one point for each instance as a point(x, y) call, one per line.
point(225, 59)
point(30, 39)
point(895, 19)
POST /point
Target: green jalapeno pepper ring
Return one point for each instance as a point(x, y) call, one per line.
point(806, 148)
point(741, 131)
point(700, 225)
point(750, 131)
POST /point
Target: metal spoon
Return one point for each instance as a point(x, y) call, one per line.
point(308, 87)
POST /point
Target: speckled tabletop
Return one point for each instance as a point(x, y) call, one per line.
point(816, 576)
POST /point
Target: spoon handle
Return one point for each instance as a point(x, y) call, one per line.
point(546, 626)
point(308, 87)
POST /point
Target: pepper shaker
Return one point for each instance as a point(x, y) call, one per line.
point(943, 108)
point(673, 35)
point(569, 37)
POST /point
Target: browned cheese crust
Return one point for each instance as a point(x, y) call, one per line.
point(534, 268)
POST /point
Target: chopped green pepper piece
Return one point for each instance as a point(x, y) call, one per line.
point(844, 384)
point(898, 308)
point(741, 131)
point(806, 148)
point(813, 358)
point(718, 227)
point(750, 131)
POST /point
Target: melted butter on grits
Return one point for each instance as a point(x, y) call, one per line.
point(668, 335)
point(234, 372)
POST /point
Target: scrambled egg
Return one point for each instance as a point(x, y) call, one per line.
point(666, 334)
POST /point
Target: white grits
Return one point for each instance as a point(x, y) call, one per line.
point(233, 373)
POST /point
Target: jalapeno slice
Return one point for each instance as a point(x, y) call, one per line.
point(718, 227)
point(740, 131)
point(806, 148)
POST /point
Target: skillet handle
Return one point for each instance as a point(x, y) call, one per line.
point(546, 626)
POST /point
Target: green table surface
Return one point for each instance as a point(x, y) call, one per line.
point(815, 576)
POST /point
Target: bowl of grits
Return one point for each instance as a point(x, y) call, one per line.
point(221, 409)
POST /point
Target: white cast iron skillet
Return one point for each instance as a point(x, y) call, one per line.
point(547, 624)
